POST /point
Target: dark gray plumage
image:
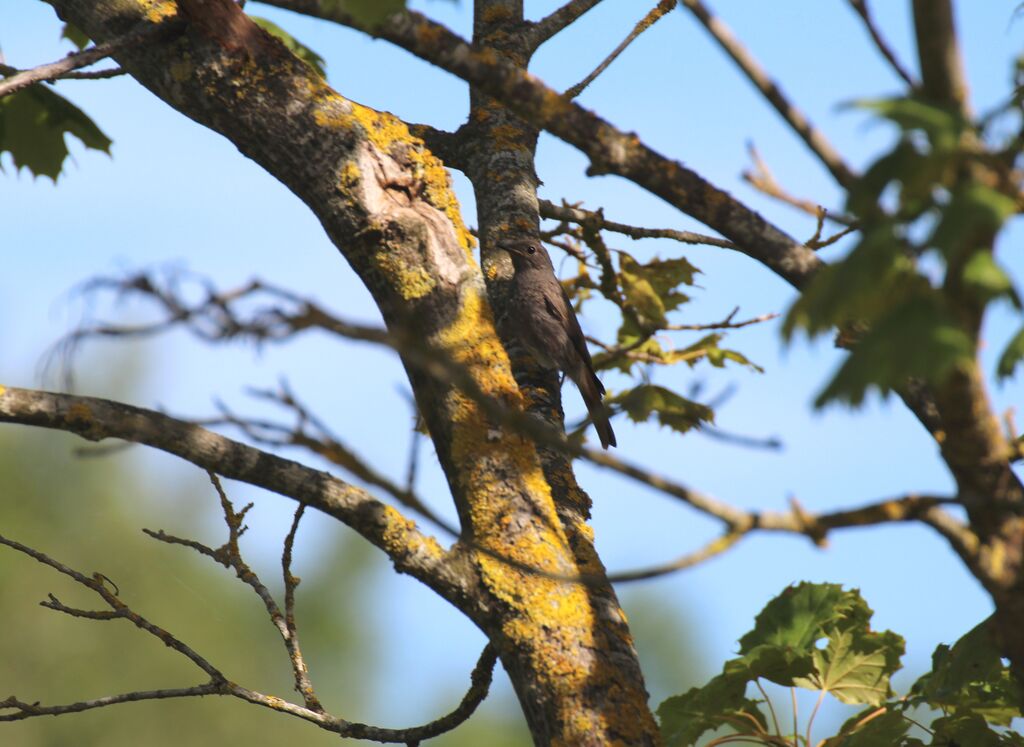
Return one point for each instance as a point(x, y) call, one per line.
point(543, 319)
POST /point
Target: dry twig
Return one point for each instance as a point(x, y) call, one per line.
point(652, 17)
point(796, 119)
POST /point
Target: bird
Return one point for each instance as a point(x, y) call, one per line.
point(544, 321)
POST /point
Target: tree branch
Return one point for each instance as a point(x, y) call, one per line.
point(943, 80)
point(96, 419)
point(657, 12)
point(610, 150)
point(74, 61)
point(813, 137)
point(551, 24)
point(578, 215)
point(860, 7)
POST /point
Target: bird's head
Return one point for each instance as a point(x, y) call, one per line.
point(527, 254)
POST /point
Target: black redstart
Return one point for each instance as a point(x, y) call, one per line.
point(543, 319)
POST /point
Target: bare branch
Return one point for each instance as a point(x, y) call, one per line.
point(95, 419)
point(219, 684)
point(762, 179)
point(98, 584)
point(54, 70)
point(657, 12)
point(861, 9)
point(576, 214)
point(713, 548)
point(23, 710)
point(796, 119)
point(550, 25)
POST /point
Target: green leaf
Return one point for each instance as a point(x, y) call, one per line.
point(863, 730)
point(983, 275)
point(33, 123)
point(367, 12)
point(795, 618)
point(707, 347)
point(918, 338)
point(970, 678)
point(672, 410)
point(974, 210)
point(1011, 356)
point(862, 287)
point(641, 295)
point(943, 126)
point(856, 664)
point(294, 46)
point(75, 35)
point(721, 702)
point(969, 730)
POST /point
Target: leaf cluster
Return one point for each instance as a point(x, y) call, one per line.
point(646, 293)
point(818, 637)
point(909, 295)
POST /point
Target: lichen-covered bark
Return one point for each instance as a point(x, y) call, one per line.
point(385, 202)
point(603, 700)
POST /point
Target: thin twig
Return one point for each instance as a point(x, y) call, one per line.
point(551, 24)
point(76, 60)
point(861, 9)
point(652, 17)
point(578, 215)
point(713, 548)
point(218, 683)
point(762, 179)
point(796, 119)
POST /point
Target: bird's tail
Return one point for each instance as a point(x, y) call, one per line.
point(592, 391)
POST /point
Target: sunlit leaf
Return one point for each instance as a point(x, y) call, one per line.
point(856, 663)
point(294, 46)
point(672, 410)
point(983, 275)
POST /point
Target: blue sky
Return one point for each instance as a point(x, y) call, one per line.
point(176, 194)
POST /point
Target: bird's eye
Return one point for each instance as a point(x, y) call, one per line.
point(531, 250)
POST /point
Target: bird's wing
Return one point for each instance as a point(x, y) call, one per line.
point(560, 307)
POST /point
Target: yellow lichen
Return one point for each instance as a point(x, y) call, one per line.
point(350, 174)
point(2, 390)
point(391, 135)
point(409, 282)
point(159, 10)
point(398, 537)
